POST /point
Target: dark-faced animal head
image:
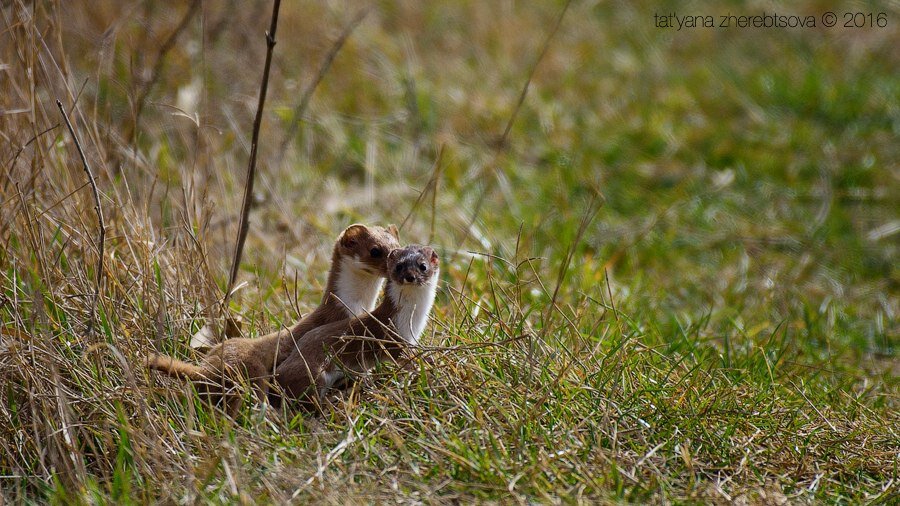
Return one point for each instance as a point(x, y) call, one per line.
point(412, 265)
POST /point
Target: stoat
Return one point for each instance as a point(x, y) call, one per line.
point(358, 268)
point(330, 353)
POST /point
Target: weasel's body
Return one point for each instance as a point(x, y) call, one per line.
point(357, 271)
point(326, 355)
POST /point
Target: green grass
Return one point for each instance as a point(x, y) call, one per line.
point(724, 329)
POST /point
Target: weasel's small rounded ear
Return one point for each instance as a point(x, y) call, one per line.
point(430, 254)
point(350, 236)
point(393, 230)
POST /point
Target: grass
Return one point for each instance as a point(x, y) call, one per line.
point(723, 330)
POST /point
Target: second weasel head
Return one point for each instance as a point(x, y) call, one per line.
point(368, 246)
point(412, 265)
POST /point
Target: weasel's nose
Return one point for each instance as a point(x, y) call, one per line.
point(409, 279)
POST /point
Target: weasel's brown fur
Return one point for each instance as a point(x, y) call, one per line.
point(329, 353)
point(363, 250)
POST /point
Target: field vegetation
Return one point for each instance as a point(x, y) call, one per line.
point(670, 258)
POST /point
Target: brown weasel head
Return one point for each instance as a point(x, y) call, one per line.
point(368, 247)
point(413, 265)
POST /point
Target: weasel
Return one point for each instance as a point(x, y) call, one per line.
point(358, 267)
point(326, 354)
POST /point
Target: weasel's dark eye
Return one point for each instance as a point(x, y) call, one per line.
point(375, 252)
point(399, 268)
point(423, 267)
